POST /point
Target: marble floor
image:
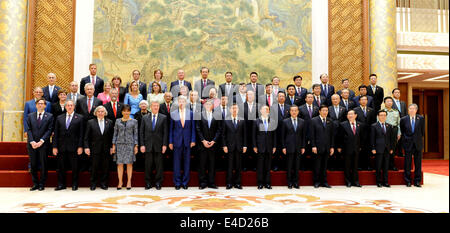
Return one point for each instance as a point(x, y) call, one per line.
point(433, 197)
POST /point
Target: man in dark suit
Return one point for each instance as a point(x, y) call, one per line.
point(241, 95)
point(114, 107)
point(208, 128)
point(73, 93)
point(94, 79)
point(292, 97)
point(413, 131)
point(30, 106)
point(98, 144)
point(346, 85)
point(51, 91)
point(142, 85)
point(366, 116)
point(234, 144)
point(154, 136)
point(181, 140)
point(322, 142)
point(307, 112)
point(270, 98)
point(337, 114)
point(282, 111)
point(86, 105)
point(376, 92)
point(319, 99)
point(203, 85)
point(39, 130)
point(264, 145)
point(327, 90)
point(257, 88)
point(299, 90)
point(346, 102)
point(382, 140)
point(68, 144)
point(349, 143)
point(228, 88)
point(363, 92)
point(293, 140)
point(175, 85)
point(276, 86)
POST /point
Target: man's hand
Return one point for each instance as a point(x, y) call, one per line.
point(374, 151)
point(225, 149)
point(314, 150)
point(171, 146)
point(339, 150)
point(80, 150)
point(164, 148)
point(244, 150)
point(331, 151)
point(284, 151)
point(391, 151)
point(303, 150)
point(274, 149)
point(87, 151)
point(255, 150)
point(55, 151)
point(142, 149)
point(205, 144)
point(192, 144)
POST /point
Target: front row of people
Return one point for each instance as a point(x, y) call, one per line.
point(100, 138)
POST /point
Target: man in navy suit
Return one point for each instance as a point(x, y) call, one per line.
point(203, 85)
point(51, 91)
point(363, 92)
point(181, 140)
point(413, 131)
point(337, 114)
point(257, 88)
point(30, 107)
point(327, 90)
point(382, 141)
point(299, 90)
point(40, 128)
point(346, 102)
point(307, 112)
point(376, 92)
point(94, 79)
point(319, 99)
point(292, 98)
point(346, 85)
point(175, 85)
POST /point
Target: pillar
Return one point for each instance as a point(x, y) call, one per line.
point(383, 43)
point(13, 28)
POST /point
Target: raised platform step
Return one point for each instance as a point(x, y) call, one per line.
point(13, 148)
point(23, 178)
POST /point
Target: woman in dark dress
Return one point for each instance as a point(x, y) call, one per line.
point(116, 82)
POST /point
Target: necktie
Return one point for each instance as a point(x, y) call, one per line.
point(324, 123)
point(93, 80)
point(295, 125)
point(254, 87)
point(89, 105)
point(318, 100)
point(336, 110)
point(223, 113)
point(265, 125)
point(282, 110)
point(310, 112)
point(292, 100)
point(68, 122)
point(50, 90)
point(154, 122)
point(235, 123)
point(413, 124)
point(270, 104)
point(299, 91)
point(39, 119)
point(398, 106)
point(115, 109)
point(326, 89)
point(346, 105)
point(204, 83)
point(384, 128)
point(168, 108)
point(364, 109)
point(354, 128)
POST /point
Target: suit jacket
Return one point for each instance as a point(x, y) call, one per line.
point(402, 108)
point(369, 101)
point(351, 94)
point(208, 133)
point(69, 140)
point(323, 101)
point(97, 142)
point(203, 93)
point(56, 110)
point(378, 96)
point(322, 137)
point(110, 111)
point(43, 131)
point(234, 138)
point(293, 140)
point(233, 90)
point(142, 89)
point(380, 140)
point(410, 139)
point(348, 141)
point(342, 115)
point(175, 89)
point(304, 114)
point(351, 104)
point(54, 98)
point(366, 121)
point(82, 107)
point(30, 107)
point(301, 95)
point(179, 136)
point(328, 95)
point(259, 92)
point(128, 134)
point(264, 141)
point(280, 89)
point(98, 85)
point(154, 140)
point(71, 96)
point(281, 115)
point(297, 100)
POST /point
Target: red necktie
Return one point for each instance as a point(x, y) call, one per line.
point(89, 105)
point(354, 128)
point(204, 83)
point(270, 102)
point(114, 109)
point(318, 101)
point(93, 80)
point(168, 108)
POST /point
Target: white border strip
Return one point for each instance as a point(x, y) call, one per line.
point(84, 38)
point(319, 39)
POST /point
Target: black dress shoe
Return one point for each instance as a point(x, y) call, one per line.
point(417, 185)
point(296, 186)
point(41, 188)
point(357, 184)
point(177, 187)
point(238, 186)
point(75, 188)
point(408, 184)
point(104, 187)
point(316, 185)
point(60, 188)
point(326, 185)
point(148, 186)
point(202, 186)
point(260, 187)
point(185, 187)
point(386, 185)
point(213, 186)
point(379, 185)
point(394, 169)
point(35, 187)
point(158, 187)
point(229, 186)
point(268, 186)
point(93, 187)
point(348, 185)
point(290, 186)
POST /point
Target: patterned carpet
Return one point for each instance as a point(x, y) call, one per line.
point(339, 199)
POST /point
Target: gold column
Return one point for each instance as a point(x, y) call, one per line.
point(13, 26)
point(383, 43)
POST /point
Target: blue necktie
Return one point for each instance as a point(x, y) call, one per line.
point(153, 123)
point(265, 125)
point(68, 123)
point(282, 110)
point(295, 125)
point(413, 124)
point(235, 123)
